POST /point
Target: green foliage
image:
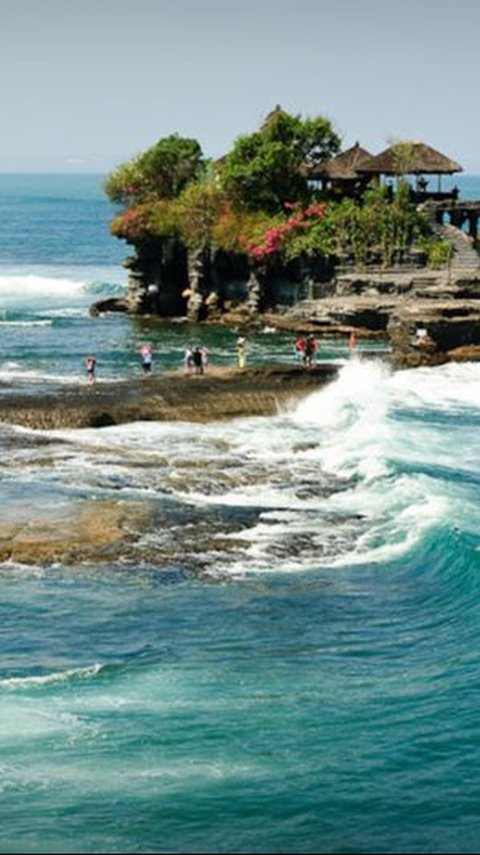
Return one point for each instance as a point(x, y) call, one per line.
point(261, 175)
point(198, 208)
point(160, 172)
point(240, 230)
point(262, 170)
point(306, 232)
point(256, 202)
point(311, 140)
point(148, 221)
point(317, 238)
point(123, 185)
point(376, 231)
point(262, 236)
point(438, 252)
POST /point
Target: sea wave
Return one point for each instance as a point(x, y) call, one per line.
point(361, 471)
point(40, 680)
point(54, 286)
point(29, 285)
point(13, 372)
point(14, 323)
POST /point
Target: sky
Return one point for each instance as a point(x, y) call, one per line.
point(88, 84)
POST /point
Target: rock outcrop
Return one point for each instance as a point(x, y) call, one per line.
point(220, 394)
point(429, 318)
point(95, 531)
point(426, 333)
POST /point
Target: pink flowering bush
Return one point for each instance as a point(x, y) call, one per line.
point(279, 238)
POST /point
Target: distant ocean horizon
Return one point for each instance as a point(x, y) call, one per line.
point(287, 659)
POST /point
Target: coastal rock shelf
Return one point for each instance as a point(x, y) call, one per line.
point(394, 307)
point(222, 393)
point(94, 531)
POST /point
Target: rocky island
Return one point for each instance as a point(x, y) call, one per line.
point(285, 230)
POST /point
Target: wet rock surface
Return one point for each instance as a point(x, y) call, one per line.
point(92, 532)
point(220, 394)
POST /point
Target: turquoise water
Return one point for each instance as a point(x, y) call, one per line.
point(469, 185)
point(296, 667)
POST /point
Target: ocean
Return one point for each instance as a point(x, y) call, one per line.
point(296, 666)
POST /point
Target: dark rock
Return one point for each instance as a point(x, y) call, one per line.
point(430, 333)
point(110, 304)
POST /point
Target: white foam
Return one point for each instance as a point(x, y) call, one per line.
point(26, 323)
point(55, 677)
point(12, 371)
point(445, 387)
point(45, 287)
point(350, 419)
point(359, 388)
point(378, 430)
point(31, 286)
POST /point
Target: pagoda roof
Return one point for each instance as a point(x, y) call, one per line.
point(409, 158)
point(343, 167)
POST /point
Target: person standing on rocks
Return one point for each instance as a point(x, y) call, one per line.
point(241, 352)
point(204, 352)
point(91, 363)
point(146, 355)
point(299, 349)
point(188, 361)
point(311, 346)
point(198, 360)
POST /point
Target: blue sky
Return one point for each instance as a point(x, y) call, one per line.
point(87, 84)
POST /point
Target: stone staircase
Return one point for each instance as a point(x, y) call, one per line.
point(465, 257)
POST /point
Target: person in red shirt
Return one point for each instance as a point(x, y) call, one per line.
point(300, 349)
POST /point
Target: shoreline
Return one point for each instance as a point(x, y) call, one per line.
point(220, 393)
point(93, 531)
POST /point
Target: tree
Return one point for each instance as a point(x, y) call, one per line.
point(198, 208)
point(262, 171)
point(160, 172)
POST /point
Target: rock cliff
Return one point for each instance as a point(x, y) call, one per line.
point(429, 318)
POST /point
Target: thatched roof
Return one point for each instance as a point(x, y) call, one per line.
point(343, 167)
point(409, 158)
point(272, 117)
